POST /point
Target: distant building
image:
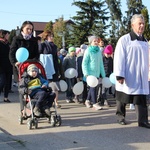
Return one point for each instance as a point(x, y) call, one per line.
point(39, 27)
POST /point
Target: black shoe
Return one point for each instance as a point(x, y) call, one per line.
point(7, 101)
point(145, 125)
point(122, 122)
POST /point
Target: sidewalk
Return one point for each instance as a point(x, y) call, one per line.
point(8, 142)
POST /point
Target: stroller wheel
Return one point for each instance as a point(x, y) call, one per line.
point(58, 120)
point(20, 119)
point(29, 124)
point(52, 121)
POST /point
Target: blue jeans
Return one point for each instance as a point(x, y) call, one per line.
point(92, 95)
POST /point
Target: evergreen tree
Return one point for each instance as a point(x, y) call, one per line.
point(91, 19)
point(49, 26)
point(144, 11)
point(12, 34)
point(134, 7)
point(117, 26)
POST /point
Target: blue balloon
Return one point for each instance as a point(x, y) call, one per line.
point(22, 54)
point(112, 78)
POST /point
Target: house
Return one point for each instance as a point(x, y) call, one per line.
point(39, 27)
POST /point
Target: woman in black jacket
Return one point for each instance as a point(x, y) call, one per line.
point(5, 65)
point(48, 51)
point(24, 39)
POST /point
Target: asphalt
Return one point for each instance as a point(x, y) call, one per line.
point(10, 142)
point(81, 129)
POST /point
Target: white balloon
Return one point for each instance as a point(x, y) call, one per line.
point(71, 73)
point(92, 81)
point(78, 88)
point(63, 85)
point(106, 82)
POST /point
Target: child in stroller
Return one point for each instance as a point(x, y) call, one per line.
point(35, 85)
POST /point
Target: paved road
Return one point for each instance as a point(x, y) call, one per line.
point(81, 129)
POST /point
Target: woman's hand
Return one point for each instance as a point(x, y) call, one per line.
point(17, 64)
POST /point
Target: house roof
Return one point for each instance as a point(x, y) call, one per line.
point(39, 26)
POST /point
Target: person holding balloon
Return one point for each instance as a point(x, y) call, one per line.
point(92, 65)
point(5, 65)
point(69, 66)
point(23, 47)
point(79, 57)
point(108, 66)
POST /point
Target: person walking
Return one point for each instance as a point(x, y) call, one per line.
point(70, 62)
point(92, 64)
point(27, 40)
point(131, 65)
point(49, 58)
point(108, 66)
point(24, 39)
point(5, 65)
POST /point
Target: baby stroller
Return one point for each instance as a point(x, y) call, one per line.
point(27, 104)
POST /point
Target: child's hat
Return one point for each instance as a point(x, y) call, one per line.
point(63, 52)
point(78, 50)
point(83, 48)
point(91, 38)
point(72, 49)
point(32, 67)
point(108, 49)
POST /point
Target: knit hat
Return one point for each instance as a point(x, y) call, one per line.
point(72, 49)
point(108, 49)
point(83, 48)
point(78, 50)
point(32, 67)
point(91, 38)
point(63, 52)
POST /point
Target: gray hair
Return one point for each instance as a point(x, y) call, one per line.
point(134, 17)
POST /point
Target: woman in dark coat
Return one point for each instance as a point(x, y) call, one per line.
point(48, 52)
point(5, 65)
point(24, 39)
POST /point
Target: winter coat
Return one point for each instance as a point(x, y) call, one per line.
point(5, 65)
point(79, 65)
point(69, 62)
point(108, 65)
point(92, 64)
point(31, 45)
point(51, 48)
point(25, 79)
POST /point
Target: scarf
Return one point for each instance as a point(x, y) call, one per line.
point(26, 36)
point(3, 40)
point(93, 49)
